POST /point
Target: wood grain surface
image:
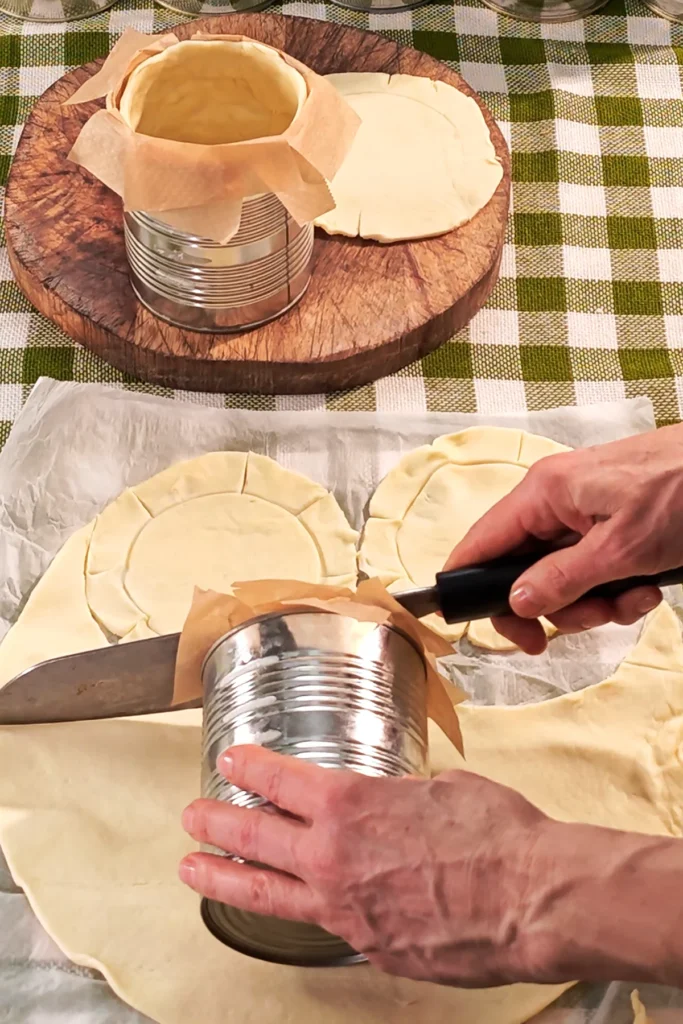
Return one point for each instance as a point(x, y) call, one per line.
point(370, 309)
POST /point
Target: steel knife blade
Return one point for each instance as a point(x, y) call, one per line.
point(127, 679)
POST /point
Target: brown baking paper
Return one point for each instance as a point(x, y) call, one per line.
point(200, 188)
point(212, 615)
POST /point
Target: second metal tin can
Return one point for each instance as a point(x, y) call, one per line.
point(202, 285)
point(546, 12)
point(323, 687)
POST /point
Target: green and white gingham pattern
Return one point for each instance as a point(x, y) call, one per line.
point(589, 305)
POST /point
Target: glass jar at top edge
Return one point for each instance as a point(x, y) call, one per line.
point(546, 11)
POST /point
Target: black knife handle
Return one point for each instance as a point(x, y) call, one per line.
point(480, 591)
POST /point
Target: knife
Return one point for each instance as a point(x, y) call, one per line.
point(137, 678)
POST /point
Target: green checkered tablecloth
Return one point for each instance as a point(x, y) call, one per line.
point(589, 305)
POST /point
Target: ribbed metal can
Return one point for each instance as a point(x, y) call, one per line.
point(55, 11)
point(546, 11)
point(202, 8)
point(319, 686)
point(202, 285)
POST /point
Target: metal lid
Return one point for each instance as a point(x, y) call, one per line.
point(275, 940)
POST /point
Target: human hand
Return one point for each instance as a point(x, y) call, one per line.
point(624, 503)
point(431, 880)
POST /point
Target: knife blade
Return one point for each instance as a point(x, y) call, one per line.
point(137, 678)
point(126, 679)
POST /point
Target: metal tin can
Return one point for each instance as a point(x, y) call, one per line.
point(380, 6)
point(323, 687)
point(546, 11)
point(202, 285)
point(56, 11)
point(202, 8)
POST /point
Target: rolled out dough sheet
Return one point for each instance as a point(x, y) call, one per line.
point(209, 522)
point(421, 164)
point(431, 498)
point(90, 826)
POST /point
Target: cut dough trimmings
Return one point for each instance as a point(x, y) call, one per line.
point(431, 498)
point(421, 164)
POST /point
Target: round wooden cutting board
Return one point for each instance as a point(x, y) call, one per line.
point(370, 308)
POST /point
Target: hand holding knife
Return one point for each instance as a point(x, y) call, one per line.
point(137, 678)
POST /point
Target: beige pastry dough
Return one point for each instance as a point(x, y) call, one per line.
point(173, 94)
point(56, 619)
point(421, 164)
point(208, 522)
point(606, 755)
point(96, 850)
point(639, 1011)
point(431, 498)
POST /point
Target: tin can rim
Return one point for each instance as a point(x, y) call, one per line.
point(347, 960)
point(294, 610)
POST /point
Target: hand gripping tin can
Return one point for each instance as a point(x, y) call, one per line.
point(320, 686)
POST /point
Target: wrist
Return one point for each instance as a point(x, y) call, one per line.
point(602, 905)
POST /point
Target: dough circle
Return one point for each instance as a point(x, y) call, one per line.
point(421, 164)
point(212, 92)
point(219, 519)
point(97, 850)
point(429, 501)
point(211, 542)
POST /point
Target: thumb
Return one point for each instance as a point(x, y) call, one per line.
point(564, 576)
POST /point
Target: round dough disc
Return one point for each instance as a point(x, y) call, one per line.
point(452, 495)
point(224, 518)
point(213, 542)
point(219, 519)
point(421, 164)
point(429, 501)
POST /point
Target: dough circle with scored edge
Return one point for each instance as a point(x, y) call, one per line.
point(212, 521)
point(426, 504)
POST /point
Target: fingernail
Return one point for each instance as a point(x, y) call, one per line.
point(648, 604)
point(188, 873)
point(189, 817)
point(523, 600)
point(225, 763)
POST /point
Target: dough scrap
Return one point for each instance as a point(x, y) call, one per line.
point(212, 92)
point(56, 620)
point(421, 164)
point(639, 1010)
point(605, 755)
point(101, 873)
point(209, 522)
point(431, 498)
